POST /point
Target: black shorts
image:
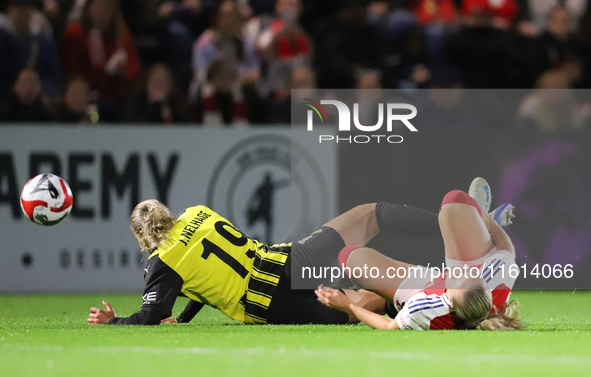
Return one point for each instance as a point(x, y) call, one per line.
point(300, 306)
point(321, 248)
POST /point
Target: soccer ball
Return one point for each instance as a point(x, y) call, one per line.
point(46, 199)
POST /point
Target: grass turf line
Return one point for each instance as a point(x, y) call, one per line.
point(47, 335)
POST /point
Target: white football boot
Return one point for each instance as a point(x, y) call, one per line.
point(503, 214)
point(480, 191)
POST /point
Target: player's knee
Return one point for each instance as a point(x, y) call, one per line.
point(367, 214)
point(345, 253)
point(344, 259)
point(459, 197)
point(364, 210)
point(455, 196)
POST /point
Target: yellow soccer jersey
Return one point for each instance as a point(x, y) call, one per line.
point(222, 267)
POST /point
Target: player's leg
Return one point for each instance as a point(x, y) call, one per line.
point(360, 224)
point(290, 306)
point(302, 307)
point(374, 271)
point(465, 236)
point(356, 226)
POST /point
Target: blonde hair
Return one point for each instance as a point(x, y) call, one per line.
point(475, 305)
point(151, 222)
point(477, 309)
point(504, 318)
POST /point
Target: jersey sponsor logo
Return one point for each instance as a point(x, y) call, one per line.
point(271, 189)
point(149, 298)
point(303, 240)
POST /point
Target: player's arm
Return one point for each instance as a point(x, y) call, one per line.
point(338, 300)
point(141, 318)
point(193, 307)
point(500, 237)
point(163, 285)
point(373, 320)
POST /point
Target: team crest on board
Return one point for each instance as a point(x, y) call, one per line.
point(270, 188)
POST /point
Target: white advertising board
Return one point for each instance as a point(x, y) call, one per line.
point(242, 173)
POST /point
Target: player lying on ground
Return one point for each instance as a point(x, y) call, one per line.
point(479, 300)
point(200, 255)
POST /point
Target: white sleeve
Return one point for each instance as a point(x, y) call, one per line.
point(415, 320)
point(497, 269)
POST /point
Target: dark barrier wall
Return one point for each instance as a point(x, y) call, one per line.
point(547, 178)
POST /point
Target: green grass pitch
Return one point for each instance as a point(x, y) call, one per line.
point(47, 335)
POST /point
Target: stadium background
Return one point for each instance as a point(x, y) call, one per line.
point(114, 95)
point(207, 62)
point(228, 67)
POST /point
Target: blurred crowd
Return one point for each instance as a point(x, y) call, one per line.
point(222, 62)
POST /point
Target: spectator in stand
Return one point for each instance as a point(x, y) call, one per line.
point(157, 100)
point(447, 104)
point(392, 20)
point(100, 49)
point(434, 11)
point(26, 41)
point(280, 42)
point(220, 100)
point(159, 28)
point(553, 107)
point(502, 12)
point(262, 6)
point(139, 15)
point(484, 50)
point(582, 44)
point(224, 41)
point(56, 12)
point(414, 32)
point(554, 49)
point(413, 68)
point(188, 16)
point(76, 106)
point(38, 21)
point(26, 102)
point(368, 96)
point(536, 11)
point(279, 107)
point(185, 21)
point(348, 43)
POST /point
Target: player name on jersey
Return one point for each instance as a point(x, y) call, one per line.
point(192, 226)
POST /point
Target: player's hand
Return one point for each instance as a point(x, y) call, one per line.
point(101, 317)
point(169, 320)
point(333, 298)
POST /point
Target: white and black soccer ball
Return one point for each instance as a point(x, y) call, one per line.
point(46, 199)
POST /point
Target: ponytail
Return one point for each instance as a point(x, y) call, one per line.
point(151, 222)
point(503, 319)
